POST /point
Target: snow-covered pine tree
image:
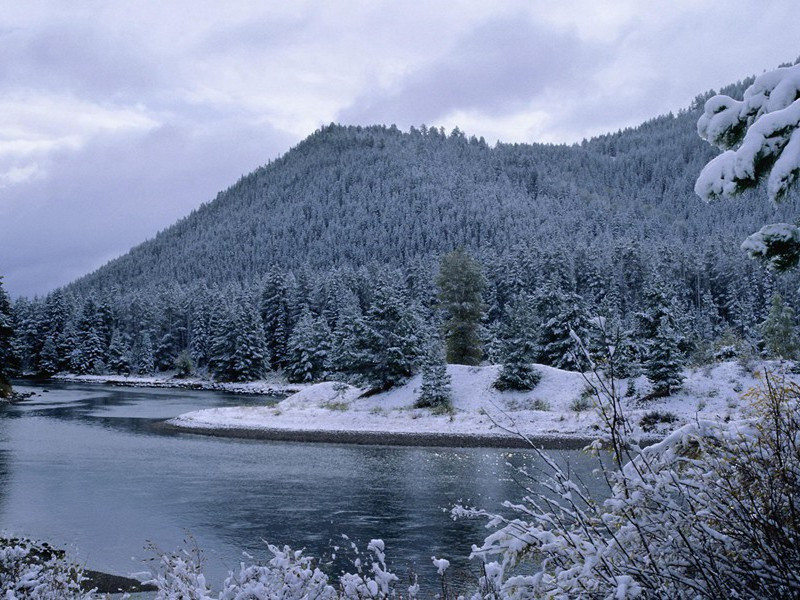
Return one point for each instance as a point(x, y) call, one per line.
point(563, 312)
point(90, 354)
point(460, 286)
point(308, 349)
point(760, 136)
point(48, 358)
point(386, 347)
point(144, 360)
point(779, 332)
point(249, 357)
point(435, 392)
point(520, 348)
point(663, 362)
point(7, 358)
point(275, 313)
point(119, 353)
point(352, 338)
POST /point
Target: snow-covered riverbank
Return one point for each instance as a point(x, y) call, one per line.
point(261, 387)
point(552, 411)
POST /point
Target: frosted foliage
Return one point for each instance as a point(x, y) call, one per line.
point(37, 572)
point(777, 244)
point(760, 133)
point(288, 575)
point(709, 512)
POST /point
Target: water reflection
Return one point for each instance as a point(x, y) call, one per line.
point(85, 466)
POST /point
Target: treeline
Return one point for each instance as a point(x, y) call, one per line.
point(376, 326)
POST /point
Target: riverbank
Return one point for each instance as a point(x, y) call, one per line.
point(257, 388)
point(556, 413)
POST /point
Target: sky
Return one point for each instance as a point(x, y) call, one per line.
point(118, 118)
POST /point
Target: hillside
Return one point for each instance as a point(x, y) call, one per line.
point(324, 262)
point(348, 196)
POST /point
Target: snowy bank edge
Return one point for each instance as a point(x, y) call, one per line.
point(384, 438)
point(258, 388)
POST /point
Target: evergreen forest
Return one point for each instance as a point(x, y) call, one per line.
point(335, 261)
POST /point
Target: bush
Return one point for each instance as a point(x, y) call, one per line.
point(517, 377)
point(651, 420)
point(709, 512)
point(583, 402)
point(37, 570)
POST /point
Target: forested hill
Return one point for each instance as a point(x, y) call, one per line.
point(348, 196)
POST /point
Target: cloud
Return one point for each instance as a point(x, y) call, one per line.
point(117, 191)
point(497, 68)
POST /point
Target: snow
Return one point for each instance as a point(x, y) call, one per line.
point(709, 393)
point(261, 387)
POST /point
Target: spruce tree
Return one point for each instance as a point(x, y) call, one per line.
point(249, 359)
point(519, 349)
point(48, 358)
point(119, 354)
point(435, 389)
point(663, 362)
point(308, 350)
point(460, 286)
point(564, 312)
point(275, 314)
point(779, 332)
point(144, 357)
point(391, 339)
point(7, 358)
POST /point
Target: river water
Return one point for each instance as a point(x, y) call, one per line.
point(87, 468)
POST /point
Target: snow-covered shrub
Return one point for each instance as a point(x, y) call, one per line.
point(37, 571)
point(181, 576)
point(709, 512)
point(650, 421)
point(518, 377)
point(288, 575)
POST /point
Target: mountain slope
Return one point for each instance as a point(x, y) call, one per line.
point(348, 196)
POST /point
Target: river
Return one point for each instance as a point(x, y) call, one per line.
point(86, 467)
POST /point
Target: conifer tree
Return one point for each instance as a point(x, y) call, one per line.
point(275, 313)
point(519, 349)
point(144, 357)
point(391, 338)
point(48, 358)
point(435, 389)
point(7, 358)
point(563, 312)
point(308, 350)
point(119, 354)
point(779, 332)
point(460, 286)
point(664, 362)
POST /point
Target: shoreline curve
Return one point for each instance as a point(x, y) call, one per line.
point(385, 438)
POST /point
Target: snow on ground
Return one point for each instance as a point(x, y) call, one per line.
point(551, 409)
point(263, 387)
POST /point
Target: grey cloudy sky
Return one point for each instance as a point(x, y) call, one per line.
point(118, 118)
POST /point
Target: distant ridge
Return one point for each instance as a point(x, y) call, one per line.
point(352, 196)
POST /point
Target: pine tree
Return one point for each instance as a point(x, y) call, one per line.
point(7, 358)
point(48, 358)
point(308, 351)
point(519, 349)
point(391, 338)
point(144, 360)
point(460, 285)
point(664, 362)
point(250, 355)
point(352, 340)
point(119, 354)
point(779, 332)
point(275, 314)
point(435, 389)
point(564, 313)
